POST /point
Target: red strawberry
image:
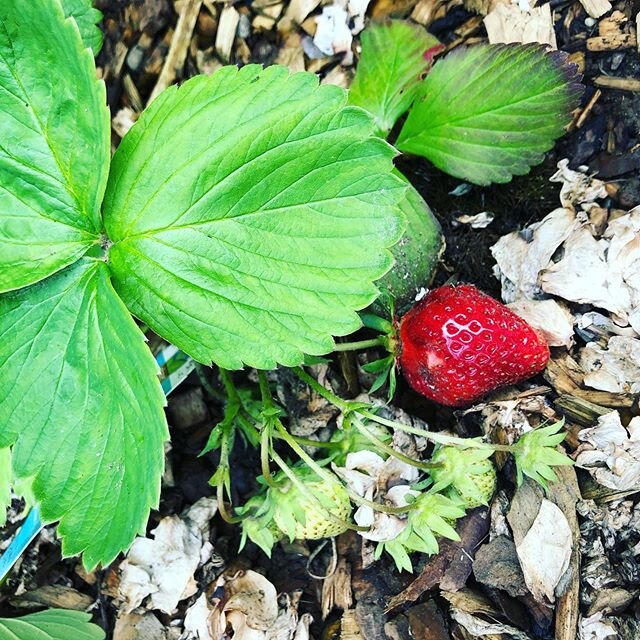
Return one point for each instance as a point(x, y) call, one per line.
point(458, 344)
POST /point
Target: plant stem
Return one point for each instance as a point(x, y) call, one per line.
point(383, 446)
point(439, 438)
point(341, 404)
point(372, 321)
point(265, 449)
point(358, 344)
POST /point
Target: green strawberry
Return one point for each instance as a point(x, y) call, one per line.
point(311, 508)
point(467, 474)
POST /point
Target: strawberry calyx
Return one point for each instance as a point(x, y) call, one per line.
point(431, 516)
point(257, 523)
point(468, 474)
point(535, 454)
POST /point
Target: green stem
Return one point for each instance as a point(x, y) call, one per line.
point(341, 404)
point(203, 376)
point(372, 321)
point(358, 344)
point(425, 466)
point(265, 449)
point(222, 508)
point(439, 438)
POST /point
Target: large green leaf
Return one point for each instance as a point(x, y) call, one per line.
point(54, 143)
point(86, 17)
point(54, 624)
point(394, 58)
point(250, 212)
point(82, 406)
point(489, 112)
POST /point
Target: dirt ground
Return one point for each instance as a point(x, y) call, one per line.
point(607, 142)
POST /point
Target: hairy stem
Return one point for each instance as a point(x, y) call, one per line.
point(383, 446)
point(358, 344)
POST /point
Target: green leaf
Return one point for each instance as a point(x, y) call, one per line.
point(82, 406)
point(54, 624)
point(6, 480)
point(86, 17)
point(250, 212)
point(394, 57)
point(54, 147)
point(489, 112)
point(416, 254)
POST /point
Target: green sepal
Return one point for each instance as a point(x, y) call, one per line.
point(535, 453)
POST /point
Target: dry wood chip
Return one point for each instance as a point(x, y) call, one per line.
point(596, 8)
point(425, 11)
point(179, 46)
point(509, 23)
point(298, 10)
point(612, 42)
point(291, 54)
point(53, 596)
point(134, 626)
point(338, 76)
point(483, 7)
point(623, 84)
point(229, 19)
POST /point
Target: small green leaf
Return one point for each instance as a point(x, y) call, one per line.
point(489, 112)
point(82, 407)
point(394, 58)
point(54, 624)
point(54, 152)
point(250, 212)
point(86, 17)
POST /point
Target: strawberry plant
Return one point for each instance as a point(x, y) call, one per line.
point(244, 218)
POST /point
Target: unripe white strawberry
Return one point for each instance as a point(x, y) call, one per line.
point(467, 473)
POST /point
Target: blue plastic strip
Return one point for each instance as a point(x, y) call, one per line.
point(30, 528)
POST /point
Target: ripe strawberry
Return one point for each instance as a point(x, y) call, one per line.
point(314, 513)
point(468, 474)
point(458, 344)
